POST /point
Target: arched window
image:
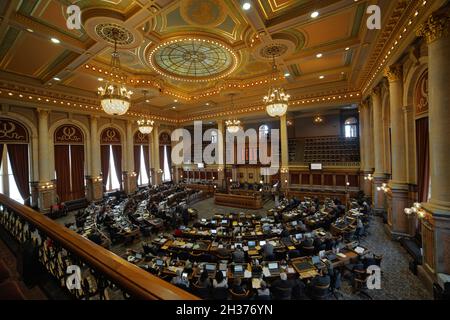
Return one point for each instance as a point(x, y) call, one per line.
point(214, 136)
point(351, 127)
point(14, 161)
point(142, 158)
point(264, 131)
point(165, 150)
point(69, 162)
point(111, 159)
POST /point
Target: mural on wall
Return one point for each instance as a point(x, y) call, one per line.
point(110, 136)
point(68, 134)
point(12, 131)
point(421, 94)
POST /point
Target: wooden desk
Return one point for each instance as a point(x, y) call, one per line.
point(238, 201)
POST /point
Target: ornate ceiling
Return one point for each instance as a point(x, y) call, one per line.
point(188, 56)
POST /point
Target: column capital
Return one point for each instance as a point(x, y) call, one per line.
point(43, 111)
point(364, 104)
point(394, 73)
point(436, 27)
point(376, 91)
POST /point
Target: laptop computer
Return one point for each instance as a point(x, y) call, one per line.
point(273, 268)
point(238, 270)
point(262, 243)
point(315, 260)
point(210, 268)
point(159, 262)
point(251, 244)
point(299, 236)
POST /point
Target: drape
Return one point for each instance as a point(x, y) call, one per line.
point(147, 159)
point(77, 168)
point(104, 155)
point(62, 167)
point(1, 153)
point(169, 160)
point(18, 154)
point(137, 160)
point(423, 158)
point(117, 154)
point(161, 157)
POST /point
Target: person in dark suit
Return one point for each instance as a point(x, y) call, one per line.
point(237, 286)
point(238, 255)
point(323, 279)
point(280, 287)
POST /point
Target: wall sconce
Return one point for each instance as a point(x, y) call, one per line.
point(213, 178)
point(347, 183)
point(284, 170)
point(368, 177)
point(261, 182)
point(383, 188)
point(98, 179)
point(231, 180)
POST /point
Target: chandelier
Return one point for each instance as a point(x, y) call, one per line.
point(115, 97)
point(234, 125)
point(318, 120)
point(276, 100)
point(145, 126)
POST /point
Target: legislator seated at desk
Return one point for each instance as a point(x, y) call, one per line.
point(238, 255)
point(282, 288)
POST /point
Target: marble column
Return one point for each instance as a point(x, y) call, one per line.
point(221, 153)
point(94, 180)
point(436, 244)
point(157, 172)
point(379, 176)
point(284, 176)
point(46, 187)
point(367, 142)
point(398, 185)
point(129, 175)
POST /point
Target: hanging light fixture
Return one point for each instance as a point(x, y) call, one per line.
point(233, 125)
point(145, 126)
point(115, 97)
point(276, 100)
point(318, 119)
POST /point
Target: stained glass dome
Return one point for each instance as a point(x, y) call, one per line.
point(193, 59)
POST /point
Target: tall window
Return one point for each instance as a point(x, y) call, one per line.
point(111, 159)
point(112, 183)
point(264, 131)
point(69, 163)
point(8, 185)
point(351, 128)
point(166, 171)
point(214, 136)
point(143, 178)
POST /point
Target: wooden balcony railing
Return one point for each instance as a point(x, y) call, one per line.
point(104, 275)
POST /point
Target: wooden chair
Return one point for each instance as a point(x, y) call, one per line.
point(201, 292)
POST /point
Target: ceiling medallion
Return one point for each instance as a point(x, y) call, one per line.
point(273, 50)
point(112, 32)
point(193, 59)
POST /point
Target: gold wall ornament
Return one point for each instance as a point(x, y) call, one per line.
point(434, 28)
point(12, 131)
point(394, 73)
point(68, 134)
point(110, 136)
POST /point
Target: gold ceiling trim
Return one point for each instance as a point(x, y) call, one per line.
point(385, 48)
